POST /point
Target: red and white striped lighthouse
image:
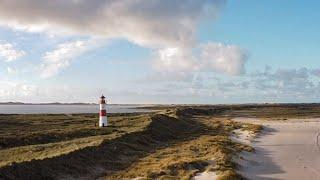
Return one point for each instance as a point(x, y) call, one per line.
point(103, 112)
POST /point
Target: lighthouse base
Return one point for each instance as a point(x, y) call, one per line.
point(103, 121)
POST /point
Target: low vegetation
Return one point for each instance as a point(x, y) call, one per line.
point(175, 142)
point(19, 130)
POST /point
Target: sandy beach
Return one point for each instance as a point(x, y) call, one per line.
point(284, 150)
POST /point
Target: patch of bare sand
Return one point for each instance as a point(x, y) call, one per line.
point(210, 175)
point(242, 136)
point(284, 150)
point(207, 175)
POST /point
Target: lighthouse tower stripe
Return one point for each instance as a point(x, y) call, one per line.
point(103, 112)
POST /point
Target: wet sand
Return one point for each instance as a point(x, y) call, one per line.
point(284, 150)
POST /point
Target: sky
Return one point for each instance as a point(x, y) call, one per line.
point(160, 51)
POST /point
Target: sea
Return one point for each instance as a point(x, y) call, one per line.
point(67, 109)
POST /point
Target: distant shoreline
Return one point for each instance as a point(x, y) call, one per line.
point(57, 103)
point(71, 108)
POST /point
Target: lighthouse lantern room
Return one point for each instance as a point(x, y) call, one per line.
point(103, 122)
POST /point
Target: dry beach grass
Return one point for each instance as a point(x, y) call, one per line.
point(173, 142)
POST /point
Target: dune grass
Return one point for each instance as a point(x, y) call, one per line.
point(174, 143)
point(158, 146)
point(205, 148)
point(47, 136)
point(19, 130)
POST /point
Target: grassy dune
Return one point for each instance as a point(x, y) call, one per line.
point(174, 142)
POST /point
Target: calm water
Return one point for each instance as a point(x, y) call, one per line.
point(66, 109)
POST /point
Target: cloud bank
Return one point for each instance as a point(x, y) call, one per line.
point(150, 23)
point(213, 57)
point(169, 27)
point(269, 85)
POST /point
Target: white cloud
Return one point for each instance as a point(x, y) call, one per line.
point(167, 26)
point(174, 60)
point(281, 85)
point(30, 92)
point(286, 81)
point(150, 23)
point(60, 58)
point(213, 57)
point(228, 59)
point(9, 53)
point(13, 90)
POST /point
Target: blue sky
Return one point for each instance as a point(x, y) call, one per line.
point(277, 33)
point(206, 51)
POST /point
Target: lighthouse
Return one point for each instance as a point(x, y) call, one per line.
point(103, 113)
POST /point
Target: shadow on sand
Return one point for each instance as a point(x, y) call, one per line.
point(259, 164)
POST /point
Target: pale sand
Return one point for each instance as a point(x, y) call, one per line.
point(242, 136)
point(284, 150)
point(207, 175)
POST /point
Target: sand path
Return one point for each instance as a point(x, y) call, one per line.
point(284, 150)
